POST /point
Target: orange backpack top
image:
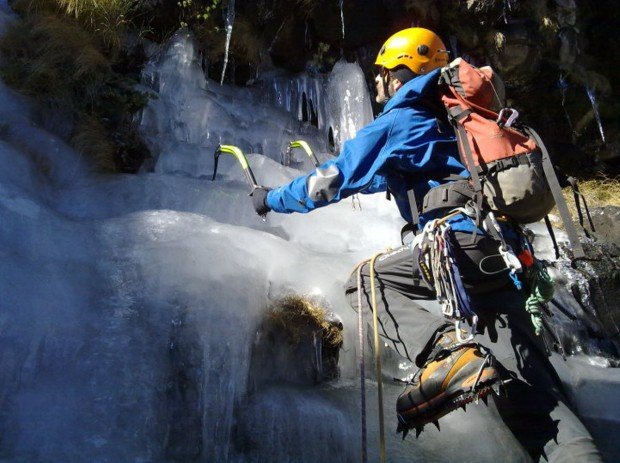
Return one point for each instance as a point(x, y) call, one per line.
point(510, 169)
point(472, 92)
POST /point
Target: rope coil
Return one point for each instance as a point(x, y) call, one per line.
point(542, 291)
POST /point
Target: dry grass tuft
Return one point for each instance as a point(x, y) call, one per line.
point(93, 140)
point(55, 59)
point(106, 19)
point(294, 314)
point(598, 192)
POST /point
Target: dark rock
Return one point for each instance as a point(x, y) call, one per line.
point(602, 271)
point(607, 224)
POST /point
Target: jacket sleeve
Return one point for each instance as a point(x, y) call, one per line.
point(357, 169)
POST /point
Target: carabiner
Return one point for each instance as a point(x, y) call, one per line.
point(470, 335)
point(514, 114)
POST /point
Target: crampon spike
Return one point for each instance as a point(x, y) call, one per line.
point(436, 423)
point(418, 431)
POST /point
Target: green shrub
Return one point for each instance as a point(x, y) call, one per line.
point(52, 57)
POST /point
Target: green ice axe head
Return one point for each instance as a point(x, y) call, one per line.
point(237, 153)
point(303, 145)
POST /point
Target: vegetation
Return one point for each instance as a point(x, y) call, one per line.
point(294, 314)
point(68, 55)
point(599, 192)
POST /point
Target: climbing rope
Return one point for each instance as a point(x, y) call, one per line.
point(541, 293)
point(375, 324)
point(377, 348)
point(362, 360)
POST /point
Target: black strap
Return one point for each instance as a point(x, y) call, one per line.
point(552, 235)
point(505, 164)
point(413, 206)
point(579, 198)
point(556, 191)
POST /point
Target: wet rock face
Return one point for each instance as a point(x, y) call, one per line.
point(593, 284)
point(602, 269)
point(548, 53)
point(515, 50)
point(585, 309)
point(607, 223)
point(602, 273)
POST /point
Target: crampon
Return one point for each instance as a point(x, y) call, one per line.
point(458, 375)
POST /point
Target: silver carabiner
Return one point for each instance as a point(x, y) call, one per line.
point(470, 335)
point(447, 308)
point(510, 259)
point(514, 114)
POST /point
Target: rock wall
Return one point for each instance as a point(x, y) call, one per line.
point(558, 59)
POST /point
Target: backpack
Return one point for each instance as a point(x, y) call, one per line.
point(511, 172)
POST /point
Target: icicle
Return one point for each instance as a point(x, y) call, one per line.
point(507, 8)
point(342, 16)
point(563, 85)
point(307, 36)
point(597, 114)
point(317, 341)
point(275, 38)
point(230, 19)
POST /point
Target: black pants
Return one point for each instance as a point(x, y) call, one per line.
point(535, 407)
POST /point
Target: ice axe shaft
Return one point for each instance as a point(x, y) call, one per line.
point(303, 145)
point(237, 153)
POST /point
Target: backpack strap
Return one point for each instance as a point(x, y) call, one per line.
point(456, 115)
point(556, 191)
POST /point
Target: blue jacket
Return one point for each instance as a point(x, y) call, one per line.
point(402, 148)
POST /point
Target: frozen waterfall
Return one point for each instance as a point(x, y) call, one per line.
point(130, 302)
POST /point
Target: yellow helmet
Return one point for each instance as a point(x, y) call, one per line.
point(418, 49)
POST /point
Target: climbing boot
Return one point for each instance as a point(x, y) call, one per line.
point(454, 375)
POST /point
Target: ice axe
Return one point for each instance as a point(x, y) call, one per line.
point(237, 153)
point(303, 145)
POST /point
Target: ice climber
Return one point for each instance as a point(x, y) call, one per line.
point(410, 149)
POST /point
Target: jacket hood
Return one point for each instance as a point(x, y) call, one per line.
point(413, 91)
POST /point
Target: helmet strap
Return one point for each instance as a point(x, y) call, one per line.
point(386, 86)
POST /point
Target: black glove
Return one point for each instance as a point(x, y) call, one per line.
point(259, 195)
